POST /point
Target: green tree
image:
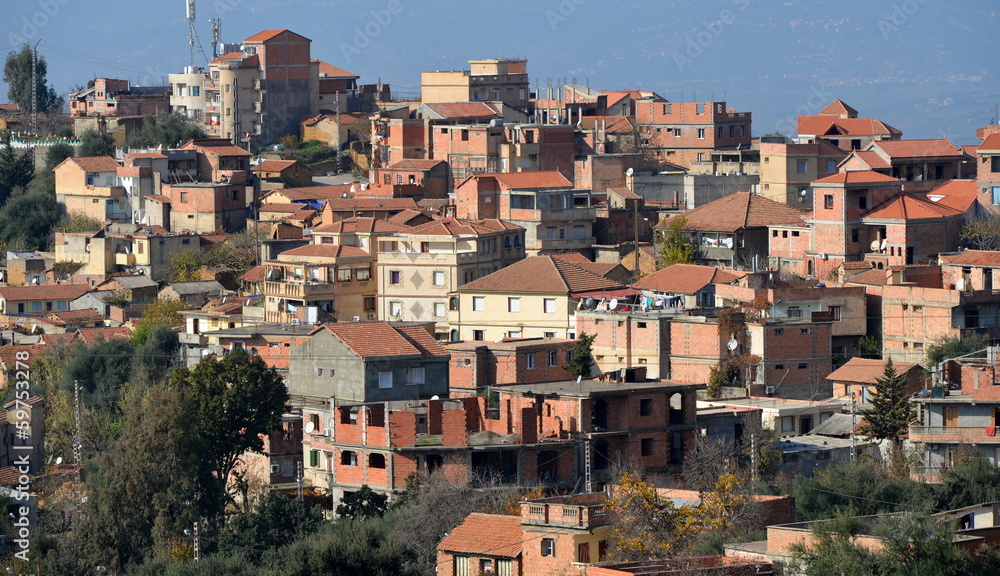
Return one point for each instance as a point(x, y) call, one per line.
point(675, 246)
point(93, 143)
point(890, 410)
point(26, 219)
point(953, 347)
point(972, 480)
point(161, 312)
point(237, 400)
point(982, 233)
point(582, 360)
point(362, 547)
point(871, 346)
point(363, 503)
point(56, 154)
point(17, 75)
point(16, 169)
point(78, 223)
point(859, 486)
point(184, 265)
point(167, 130)
point(276, 521)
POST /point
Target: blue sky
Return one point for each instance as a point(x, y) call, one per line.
point(927, 67)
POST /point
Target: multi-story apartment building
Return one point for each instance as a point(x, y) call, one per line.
point(495, 80)
point(787, 170)
point(478, 366)
point(90, 187)
point(922, 165)
point(686, 132)
point(147, 250)
point(839, 124)
point(111, 97)
point(544, 434)
point(419, 268)
point(555, 216)
point(988, 171)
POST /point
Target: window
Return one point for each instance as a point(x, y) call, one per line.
point(801, 166)
point(549, 335)
point(835, 312)
point(677, 132)
point(479, 303)
point(917, 308)
point(645, 407)
point(787, 424)
point(794, 312)
point(395, 277)
point(479, 335)
point(855, 235)
point(184, 196)
point(549, 305)
point(319, 371)
point(530, 361)
point(236, 194)
point(778, 331)
point(417, 375)
point(646, 446)
point(343, 274)
point(462, 562)
point(486, 564)
point(385, 379)
point(349, 458)
point(553, 358)
point(862, 202)
point(805, 330)
point(439, 310)
point(779, 366)
point(438, 278)
point(314, 458)
point(701, 133)
point(831, 166)
point(369, 303)
point(376, 460)
point(513, 304)
point(363, 274)
point(828, 201)
point(548, 547)
point(583, 553)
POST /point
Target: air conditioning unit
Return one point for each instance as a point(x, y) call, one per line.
point(768, 389)
point(275, 468)
point(371, 315)
point(822, 256)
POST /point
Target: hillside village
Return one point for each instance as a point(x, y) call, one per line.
point(567, 295)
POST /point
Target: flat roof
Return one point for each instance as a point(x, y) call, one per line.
point(265, 330)
point(595, 387)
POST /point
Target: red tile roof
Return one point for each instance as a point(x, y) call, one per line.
point(266, 35)
point(159, 198)
point(155, 155)
point(531, 180)
point(255, 274)
point(415, 165)
point(332, 71)
point(935, 147)
point(856, 177)
point(457, 110)
point(610, 124)
point(89, 335)
point(485, 534)
point(43, 292)
point(87, 315)
point(872, 277)
point(8, 353)
point(738, 211)
point(371, 204)
point(309, 193)
point(135, 171)
point(982, 258)
point(94, 163)
point(10, 476)
point(990, 144)
point(873, 159)
point(215, 146)
point(283, 207)
point(548, 275)
point(359, 225)
point(838, 107)
point(866, 370)
point(422, 340)
point(406, 216)
point(909, 207)
point(10, 107)
point(326, 251)
point(374, 339)
point(957, 194)
point(461, 227)
point(273, 165)
point(686, 278)
point(843, 127)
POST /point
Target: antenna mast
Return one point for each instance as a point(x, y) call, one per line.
point(190, 18)
point(216, 25)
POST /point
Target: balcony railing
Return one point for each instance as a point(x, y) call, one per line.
point(948, 434)
point(299, 289)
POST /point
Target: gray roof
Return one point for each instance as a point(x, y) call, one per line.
point(100, 295)
point(836, 425)
point(133, 281)
point(196, 287)
point(587, 388)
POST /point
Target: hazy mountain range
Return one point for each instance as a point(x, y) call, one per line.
point(926, 67)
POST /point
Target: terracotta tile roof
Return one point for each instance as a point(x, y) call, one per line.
point(307, 193)
point(44, 292)
point(87, 315)
point(990, 144)
point(406, 216)
point(873, 277)
point(359, 225)
point(273, 165)
point(548, 275)
point(685, 278)
point(159, 198)
point(843, 127)
point(215, 146)
point(458, 110)
point(858, 265)
point(135, 171)
point(738, 211)
point(909, 207)
point(10, 476)
point(574, 257)
point(371, 204)
point(838, 106)
point(873, 159)
point(8, 353)
point(31, 401)
point(610, 124)
point(332, 71)
point(461, 227)
point(89, 335)
point(422, 340)
point(486, 535)
point(255, 274)
point(52, 339)
point(957, 194)
point(866, 370)
point(326, 251)
point(969, 149)
point(94, 163)
point(856, 177)
point(266, 35)
point(624, 193)
point(982, 258)
point(10, 107)
point(531, 180)
point(934, 147)
point(373, 339)
point(282, 207)
point(155, 155)
point(415, 164)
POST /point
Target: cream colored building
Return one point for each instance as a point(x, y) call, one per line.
point(496, 80)
point(787, 171)
point(89, 187)
point(534, 298)
point(320, 281)
point(421, 267)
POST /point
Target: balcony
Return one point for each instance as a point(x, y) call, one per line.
point(299, 289)
point(980, 296)
point(564, 243)
point(192, 339)
point(526, 148)
point(125, 259)
point(580, 511)
point(954, 434)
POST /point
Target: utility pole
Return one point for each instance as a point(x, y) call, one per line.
point(197, 543)
point(854, 423)
point(34, 87)
point(298, 478)
point(635, 218)
point(78, 446)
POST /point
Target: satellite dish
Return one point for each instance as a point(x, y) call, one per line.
point(613, 304)
point(591, 303)
point(732, 344)
point(309, 428)
point(435, 397)
point(629, 172)
point(874, 245)
point(960, 284)
point(803, 193)
point(58, 460)
point(885, 242)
